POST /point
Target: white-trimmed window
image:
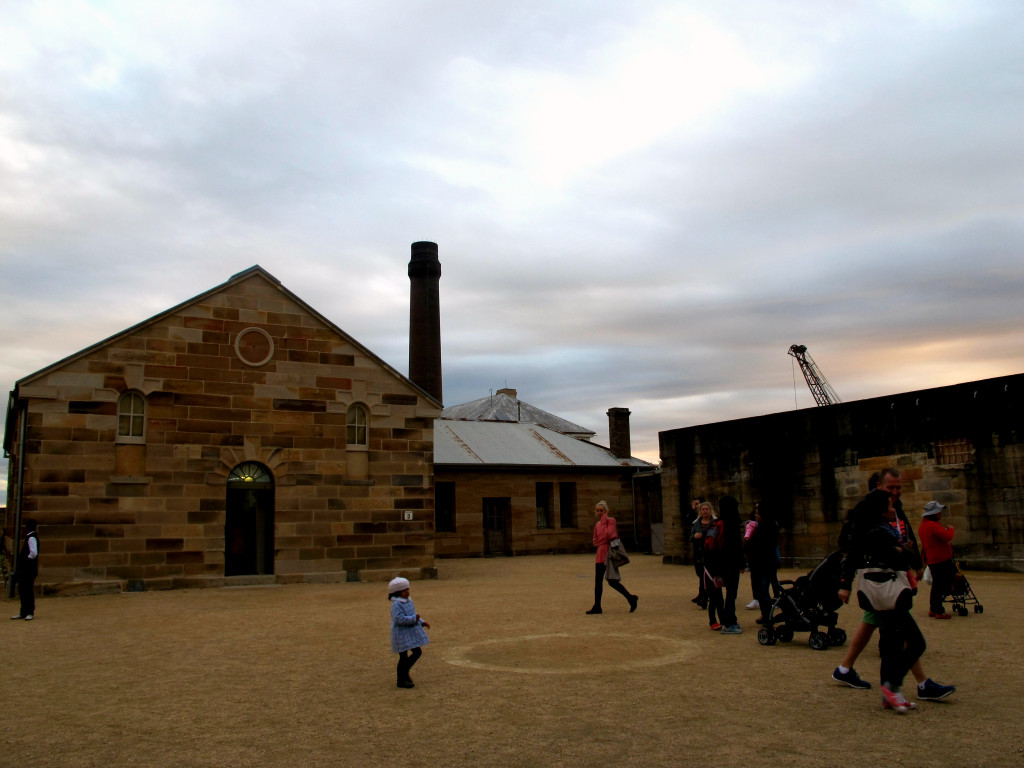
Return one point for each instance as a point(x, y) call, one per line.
point(356, 426)
point(131, 418)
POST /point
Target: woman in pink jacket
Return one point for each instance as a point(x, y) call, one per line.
point(605, 531)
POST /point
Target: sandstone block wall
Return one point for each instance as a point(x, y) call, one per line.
point(152, 515)
point(472, 486)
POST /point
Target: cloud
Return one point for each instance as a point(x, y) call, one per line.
point(637, 205)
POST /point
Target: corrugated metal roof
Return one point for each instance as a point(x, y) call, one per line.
point(503, 443)
point(505, 408)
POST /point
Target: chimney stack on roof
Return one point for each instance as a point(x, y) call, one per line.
point(425, 319)
point(508, 391)
point(618, 433)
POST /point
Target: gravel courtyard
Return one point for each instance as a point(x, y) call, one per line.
point(515, 675)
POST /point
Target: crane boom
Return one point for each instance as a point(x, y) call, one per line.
point(816, 381)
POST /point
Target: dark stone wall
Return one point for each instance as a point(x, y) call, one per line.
point(812, 466)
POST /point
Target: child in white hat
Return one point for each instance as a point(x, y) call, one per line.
point(407, 635)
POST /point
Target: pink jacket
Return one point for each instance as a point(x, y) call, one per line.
point(604, 532)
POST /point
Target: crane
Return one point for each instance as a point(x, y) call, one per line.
point(820, 388)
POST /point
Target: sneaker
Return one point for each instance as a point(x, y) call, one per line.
point(29, 617)
point(929, 690)
point(753, 605)
point(851, 678)
point(19, 616)
point(942, 616)
point(715, 627)
point(895, 700)
point(732, 629)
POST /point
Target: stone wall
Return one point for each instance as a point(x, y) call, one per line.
point(151, 514)
point(519, 486)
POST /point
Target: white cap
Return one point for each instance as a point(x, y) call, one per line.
point(397, 585)
point(933, 508)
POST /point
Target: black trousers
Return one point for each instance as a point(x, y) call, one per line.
point(27, 593)
point(942, 584)
point(405, 661)
point(901, 644)
point(599, 570)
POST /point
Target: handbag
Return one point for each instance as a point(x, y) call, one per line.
point(617, 553)
point(883, 589)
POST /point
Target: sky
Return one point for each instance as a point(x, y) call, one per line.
point(637, 204)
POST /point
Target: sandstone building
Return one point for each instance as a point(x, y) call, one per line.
point(512, 479)
point(238, 437)
point(961, 445)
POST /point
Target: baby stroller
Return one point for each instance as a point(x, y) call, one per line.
point(808, 604)
point(962, 594)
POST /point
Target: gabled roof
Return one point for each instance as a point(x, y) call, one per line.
point(502, 407)
point(504, 444)
point(255, 270)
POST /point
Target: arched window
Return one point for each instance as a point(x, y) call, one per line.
point(131, 418)
point(356, 423)
point(247, 473)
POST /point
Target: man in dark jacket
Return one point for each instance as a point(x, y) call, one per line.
point(26, 571)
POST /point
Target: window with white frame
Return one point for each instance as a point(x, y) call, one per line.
point(356, 425)
point(131, 418)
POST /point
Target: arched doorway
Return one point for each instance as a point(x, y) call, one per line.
point(249, 522)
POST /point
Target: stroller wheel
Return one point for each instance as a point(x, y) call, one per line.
point(979, 609)
point(784, 633)
point(836, 636)
point(962, 610)
point(765, 636)
point(818, 641)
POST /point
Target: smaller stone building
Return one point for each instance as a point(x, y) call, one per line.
point(512, 479)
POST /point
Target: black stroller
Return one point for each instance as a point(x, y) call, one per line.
point(808, 604)
point(962, 594)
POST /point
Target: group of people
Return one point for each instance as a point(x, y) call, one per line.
point(878, 534)
point(723, 546)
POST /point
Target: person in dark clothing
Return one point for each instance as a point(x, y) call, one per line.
point(724, 559)
point(761, 548)
point(26, 571)
point(698, 530)
point(874, 542)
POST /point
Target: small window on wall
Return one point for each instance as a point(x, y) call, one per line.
point(356, 426)
point(131, 418)
point(545, 505)
point(567, 505)
point(444, 507)
point(957, 451)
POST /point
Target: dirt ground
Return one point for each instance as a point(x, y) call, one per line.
point(516, 675)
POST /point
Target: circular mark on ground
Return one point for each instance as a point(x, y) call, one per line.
point(563, 653)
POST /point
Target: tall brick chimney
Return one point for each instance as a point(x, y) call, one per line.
point(618, 432)
point(425, 318)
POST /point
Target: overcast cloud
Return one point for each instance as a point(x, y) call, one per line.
point(637, 204)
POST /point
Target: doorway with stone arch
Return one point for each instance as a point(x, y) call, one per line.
point(249, 521)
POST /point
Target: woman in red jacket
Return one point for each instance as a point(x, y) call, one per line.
point(937, 549)
point(605, 531)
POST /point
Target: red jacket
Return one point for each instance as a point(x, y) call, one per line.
point(935, 541)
